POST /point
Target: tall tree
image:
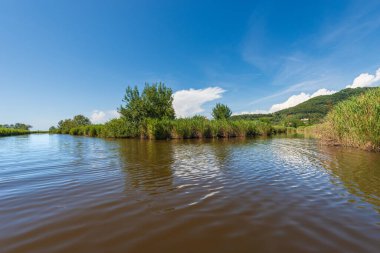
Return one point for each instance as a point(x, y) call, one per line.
point(80, 120)
point(221, 111)
point(156, 101)
point(133, 108)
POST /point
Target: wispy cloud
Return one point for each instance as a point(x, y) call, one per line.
point(187, 103)
point(330, 51)
point(365, 80)
point(98, 116)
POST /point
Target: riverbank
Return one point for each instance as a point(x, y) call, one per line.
point(12, 132)
point(191, 128)
point(354, 122)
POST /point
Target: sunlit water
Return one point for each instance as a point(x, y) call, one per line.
point(74, 194)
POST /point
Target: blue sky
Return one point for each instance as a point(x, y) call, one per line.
point(61, 58)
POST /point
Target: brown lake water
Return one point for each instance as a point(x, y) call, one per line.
point(62, 193)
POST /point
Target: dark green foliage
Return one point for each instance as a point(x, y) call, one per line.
point(155, 102)
point(119, 128)
point(292, 122)
point(261, 117)
point(158, 101)
point(90, 130)
point(221, 112)
point(158, 129)
point(133, 110)
point(80, 120)
point(65, 126)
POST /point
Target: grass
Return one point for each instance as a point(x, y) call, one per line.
point(188, 128)
point(354, 122)
point(11, 132)
point(203, 128)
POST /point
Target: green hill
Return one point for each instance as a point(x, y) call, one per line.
point(311, 111)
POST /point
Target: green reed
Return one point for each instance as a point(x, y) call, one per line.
point(11, 131)
point(355, 122)
point(186, 128)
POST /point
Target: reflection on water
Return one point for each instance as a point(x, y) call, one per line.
point(73, 194)
point(357, 170)
point(146, 161)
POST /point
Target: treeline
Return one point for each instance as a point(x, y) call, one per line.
point(18, 126)
point(64, 126)
point(150, 114)
point(14, 129)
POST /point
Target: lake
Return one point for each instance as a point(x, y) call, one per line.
point(60, 193)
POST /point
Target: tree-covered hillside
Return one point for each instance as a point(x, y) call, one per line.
point(309, 112)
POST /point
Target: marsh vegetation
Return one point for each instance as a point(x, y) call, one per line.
point(354, 122)
point(353, 119)
point(14, 129)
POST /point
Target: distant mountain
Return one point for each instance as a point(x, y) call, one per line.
point(311, 111)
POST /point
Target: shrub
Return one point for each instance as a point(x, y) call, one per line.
point(117, 128)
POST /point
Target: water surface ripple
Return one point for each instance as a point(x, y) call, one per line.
point(61, 193)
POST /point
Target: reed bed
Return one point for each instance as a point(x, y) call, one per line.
point(354, 122)
point(10, 132)
point(187, 128)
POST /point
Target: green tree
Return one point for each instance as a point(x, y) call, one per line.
point(20, 126)
point(221, 111)
point(292, 122)
point(133, 108)
point(80, 120)
point(64, 126)
point(156, 101)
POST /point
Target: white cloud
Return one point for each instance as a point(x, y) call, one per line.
point(300, 98)
point(365, 80)
point(187, 103)
point(98, 116)
point(291, 101)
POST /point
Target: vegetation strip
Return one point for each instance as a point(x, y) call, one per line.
point(11, 131)
point(353, 119)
